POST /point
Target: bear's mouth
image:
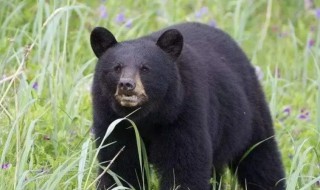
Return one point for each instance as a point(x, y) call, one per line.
point(131, 100)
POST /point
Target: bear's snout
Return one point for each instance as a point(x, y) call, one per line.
point(126, 84)
point(130, 92)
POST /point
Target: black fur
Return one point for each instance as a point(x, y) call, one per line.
point(205, 109)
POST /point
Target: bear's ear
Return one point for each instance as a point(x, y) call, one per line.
point(171, 41)
point(101, 39)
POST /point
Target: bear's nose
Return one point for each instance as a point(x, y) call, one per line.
point(126, 84)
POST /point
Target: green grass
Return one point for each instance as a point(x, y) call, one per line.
point(46, 66)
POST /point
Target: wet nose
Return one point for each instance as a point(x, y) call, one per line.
point(126, 84)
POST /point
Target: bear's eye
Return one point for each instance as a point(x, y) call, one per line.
point(144, 68)
point(118, 68)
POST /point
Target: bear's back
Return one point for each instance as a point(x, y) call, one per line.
point(211, 42)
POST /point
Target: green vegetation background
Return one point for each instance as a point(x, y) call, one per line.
point(46, 66)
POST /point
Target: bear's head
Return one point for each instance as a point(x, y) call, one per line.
point(136, 73)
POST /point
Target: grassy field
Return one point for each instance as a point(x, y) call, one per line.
point(46, 66)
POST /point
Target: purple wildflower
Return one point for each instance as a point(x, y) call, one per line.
point(103, 11)
point(120, 18)
point(318, 13)
point(287, 110)
point(200, 13)
point(128, 24)
point(5, 166)
point(35, 85)
point(311, 43)
point(304, 115)
point(212, 23)
point(285, 113)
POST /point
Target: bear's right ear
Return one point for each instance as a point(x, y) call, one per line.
point(171, 41)
point(101, 39)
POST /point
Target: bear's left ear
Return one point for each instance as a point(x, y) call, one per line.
point(101, 39)
point(171, 41)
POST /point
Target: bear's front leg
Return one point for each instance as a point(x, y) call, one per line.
point(182, 159)
point(126, 164)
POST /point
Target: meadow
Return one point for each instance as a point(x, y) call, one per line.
point(46, 66)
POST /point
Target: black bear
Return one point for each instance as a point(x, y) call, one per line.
point(201, 109)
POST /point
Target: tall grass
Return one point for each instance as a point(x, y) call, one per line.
point(46, 67)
